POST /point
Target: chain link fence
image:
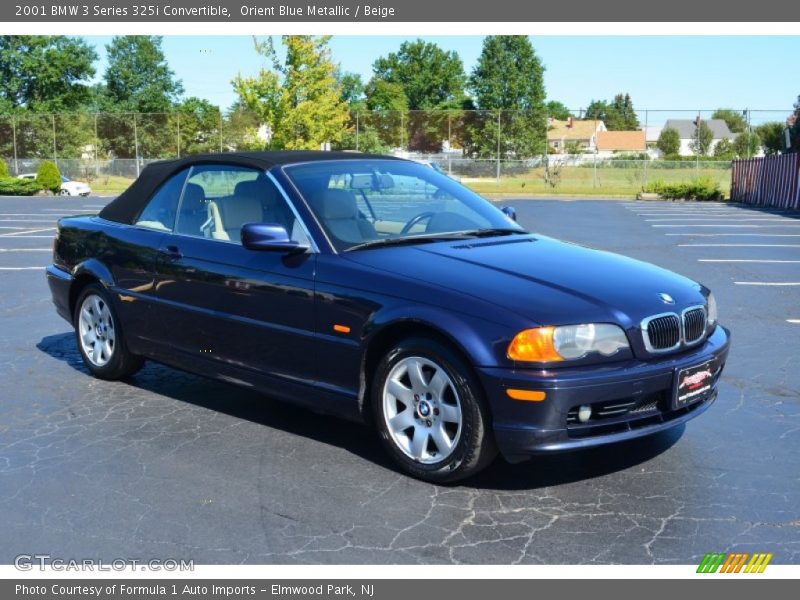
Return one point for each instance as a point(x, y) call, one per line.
point(513, 152)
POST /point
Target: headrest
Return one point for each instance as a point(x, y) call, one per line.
point(237, 210)
point(194, 197)
point(336, 204)
point(253, 188)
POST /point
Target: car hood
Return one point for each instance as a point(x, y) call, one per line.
point(546, 280)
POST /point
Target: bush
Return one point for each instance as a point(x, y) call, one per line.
point(48, 177)
point(11, 186)
point(3, 169)
point(702, 189)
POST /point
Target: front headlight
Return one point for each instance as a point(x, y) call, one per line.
point(711, 310)
point(569, 342)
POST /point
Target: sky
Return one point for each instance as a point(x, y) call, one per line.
point(659, 72)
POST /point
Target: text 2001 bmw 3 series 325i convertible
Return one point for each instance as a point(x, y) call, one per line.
point(381, 290)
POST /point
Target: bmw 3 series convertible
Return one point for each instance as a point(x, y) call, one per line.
point(381, 290)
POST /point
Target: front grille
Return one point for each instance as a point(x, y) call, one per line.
point(694, 325)
point(663, 333)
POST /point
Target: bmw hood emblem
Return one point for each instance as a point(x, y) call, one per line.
point(666, 298)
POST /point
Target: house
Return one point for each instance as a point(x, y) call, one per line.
point(582, 133)
point(687, 131)
point(614, 142)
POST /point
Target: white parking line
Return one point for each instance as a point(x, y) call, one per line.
point(27, 237)
point(745, 260)
point(730, 234)
point(716, 218)
point(26, 249)
point(20, 233)
point(769, 283)
point(22, 268)
point(739, 245)
point(795, 321)
point(27, 220)
point(726, 225)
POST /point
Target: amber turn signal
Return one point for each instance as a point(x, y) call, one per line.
point(341, 328)
point(526, 395)
point(534, 345)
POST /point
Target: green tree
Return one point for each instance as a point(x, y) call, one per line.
point(138, 78)
point(746, 145)
point(361, 133)
point(48, 177)
point(3, 169)
point(703, 138)
point(430, 77)
point(45, 73)
point(669, 141)
point(618, 115)
point(138, 82)
point(723, 150)
point(198, 122)
point(734, 119)
point(558, 110)
point(509, 78)
point(299, 100)
point(773, 137)
point(793, 123)
point(388, 116)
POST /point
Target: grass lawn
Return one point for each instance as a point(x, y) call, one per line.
point(585, 181)
point(574, 181)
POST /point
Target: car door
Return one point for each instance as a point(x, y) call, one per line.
point(220, 301)
point(132, 254)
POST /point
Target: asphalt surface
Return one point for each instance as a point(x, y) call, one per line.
point(175, 466)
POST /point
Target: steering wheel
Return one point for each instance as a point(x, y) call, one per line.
point(415, 220)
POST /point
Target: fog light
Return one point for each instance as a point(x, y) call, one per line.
point(584, 413)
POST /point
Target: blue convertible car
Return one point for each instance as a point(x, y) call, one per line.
point(381, 290)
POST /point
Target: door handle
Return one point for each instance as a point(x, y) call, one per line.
point(172, 252)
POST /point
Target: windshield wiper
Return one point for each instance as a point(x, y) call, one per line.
point(493, 231)
point(411, 239)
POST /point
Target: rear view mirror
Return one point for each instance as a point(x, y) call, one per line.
point(269, 236)
point(371, 181)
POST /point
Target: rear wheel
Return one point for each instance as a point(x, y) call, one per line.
point(100, 338)
point(430, 412)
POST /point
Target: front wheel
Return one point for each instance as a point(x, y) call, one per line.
point(430, 412)
point(64, 192)
point(99, 336)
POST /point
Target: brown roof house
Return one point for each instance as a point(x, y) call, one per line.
point(620, 142)
point(581, 133)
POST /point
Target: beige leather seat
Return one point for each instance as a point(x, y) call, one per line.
point(230, 213)
point(338, 211)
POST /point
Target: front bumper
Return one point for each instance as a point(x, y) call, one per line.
point(524, 428)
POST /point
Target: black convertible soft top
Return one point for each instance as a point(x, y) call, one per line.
point(129, 204)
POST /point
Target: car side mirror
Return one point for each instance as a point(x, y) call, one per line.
point(270, 236)
point(510, 212)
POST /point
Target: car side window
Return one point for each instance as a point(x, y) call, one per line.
point(219, 199)
point(162, 208)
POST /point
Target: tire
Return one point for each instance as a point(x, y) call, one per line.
point(99, 336)
point(63, 192)
point(425, 397)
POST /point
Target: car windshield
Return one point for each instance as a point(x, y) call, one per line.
point(369, 203)
point(65, 179)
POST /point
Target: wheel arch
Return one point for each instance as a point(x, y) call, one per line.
point(90, 271)
point(467, 345)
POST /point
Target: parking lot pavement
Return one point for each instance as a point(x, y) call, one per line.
point(170, 465)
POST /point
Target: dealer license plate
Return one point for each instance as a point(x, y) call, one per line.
point(693, 384)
